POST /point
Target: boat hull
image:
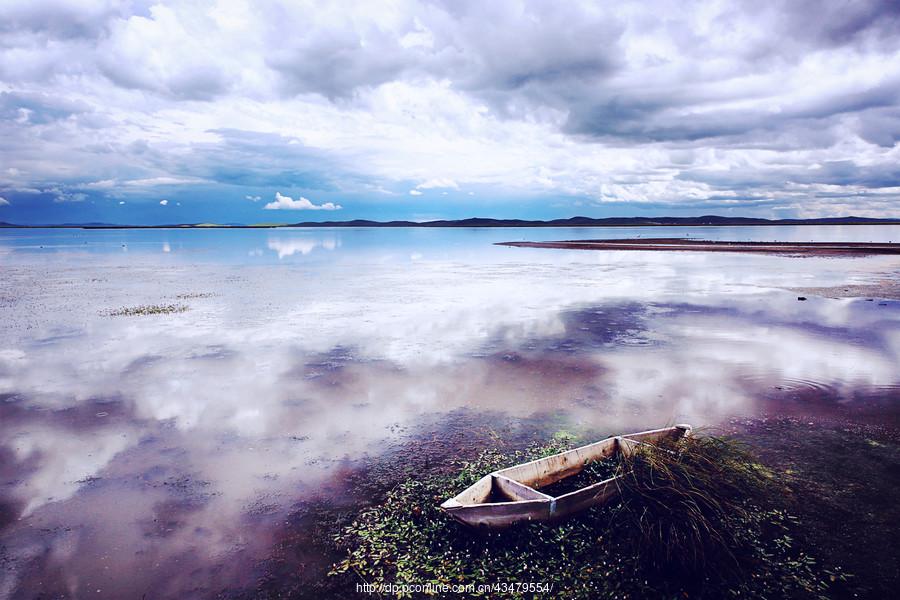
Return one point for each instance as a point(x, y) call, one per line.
point(518, 485)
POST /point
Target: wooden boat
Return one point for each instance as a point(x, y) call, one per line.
point(511, 495)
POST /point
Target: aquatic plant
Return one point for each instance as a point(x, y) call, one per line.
point(147, 309)
point(700, 518)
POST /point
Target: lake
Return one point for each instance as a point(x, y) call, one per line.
point(162, 454)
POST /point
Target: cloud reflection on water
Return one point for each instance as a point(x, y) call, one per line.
point(285, 247)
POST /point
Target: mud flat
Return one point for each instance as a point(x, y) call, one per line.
point(686, 245)
point(883, 289)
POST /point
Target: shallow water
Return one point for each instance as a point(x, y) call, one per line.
point(161, 452)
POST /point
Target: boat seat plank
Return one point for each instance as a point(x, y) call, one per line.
point(514, 490)
point(477, 493)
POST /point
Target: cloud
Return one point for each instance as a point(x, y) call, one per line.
point(439, 182)
point(164, 202)
point(147, 182)
point(659, 102)
point(415, 192)
point(59, 19)
point(336, 61)
point(4, 201)
point(105, 184)
point(144, 54)
point(61, 195)
point(163, 180)
point(38, 108)
point(288, 203)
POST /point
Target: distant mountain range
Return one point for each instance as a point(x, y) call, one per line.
point(707, 220)
point(604, 222)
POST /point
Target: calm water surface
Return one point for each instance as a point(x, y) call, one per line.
point(158, 454)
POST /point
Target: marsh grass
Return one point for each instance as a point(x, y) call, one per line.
point(147, 309)
point(699, 518)
point(687, 507)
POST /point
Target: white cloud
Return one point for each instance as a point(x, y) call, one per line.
point(415, 192)
point(121, 202)
point(439, 182)
point(253, 198)
point(288, 203)
point(4, 201)
point(103, 184)
point(164, 202)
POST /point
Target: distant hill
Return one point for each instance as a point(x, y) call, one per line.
point(605, 222)
point(707, 220)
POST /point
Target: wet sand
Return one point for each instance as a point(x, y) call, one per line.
point(688, 245)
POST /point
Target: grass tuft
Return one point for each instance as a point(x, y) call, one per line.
point(692, 506)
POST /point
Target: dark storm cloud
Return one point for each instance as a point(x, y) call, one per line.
point(254, 159)
point(503, 47)
point(881, 127)
point(840, 23)
point(61, 18)
point(38, 108)
point(683, 109)
point(336, 62)
point(192, 82)
point(836, 172)
point(648, 117)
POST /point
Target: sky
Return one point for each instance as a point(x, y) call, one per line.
point(256, 111)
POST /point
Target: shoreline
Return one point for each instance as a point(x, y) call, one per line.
point(686, 245)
